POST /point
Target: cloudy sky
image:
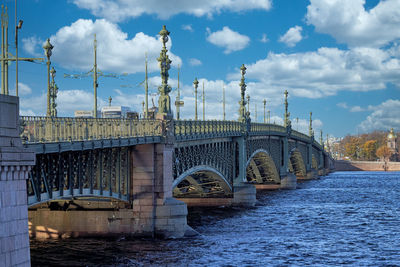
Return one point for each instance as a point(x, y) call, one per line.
point(337, 58)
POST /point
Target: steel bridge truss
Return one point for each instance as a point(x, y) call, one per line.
point(74, 174)
point(219, 156)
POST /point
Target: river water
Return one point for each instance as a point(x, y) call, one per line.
point(345, 218)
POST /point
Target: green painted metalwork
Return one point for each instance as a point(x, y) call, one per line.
point(164, 101)
point(47, 129)
point(48, 47)
point(92, 173)
point(243, 115)
point(265, 103)
point(300, 135)
point(286, 117)
point(53, 94)
point(264, 127)
point(196, 84)
point(201, 129)
point(310, 129)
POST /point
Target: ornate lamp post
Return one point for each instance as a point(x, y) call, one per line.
point(321, 141)
point(164, 101)
point(242, 102)
point(204, 104)
point(310, 130)
point(178, 102)
point(248, 103)
point(47, 51)
point(255, 112)
point(196, 84)
point(223, 102)
point(53, 94)
point(265, 103)
point(287, 114)
point(17, 27)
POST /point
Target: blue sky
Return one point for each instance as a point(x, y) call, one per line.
point(339, 59)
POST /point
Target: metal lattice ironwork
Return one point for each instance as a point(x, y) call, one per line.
point(297, 163)
point(270, 144)
point(316, 157)
point(91, 173)
point(261, 168)
point(49, 129)
point(218, 155)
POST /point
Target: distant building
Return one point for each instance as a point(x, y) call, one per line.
point(114, 112)
point(152, 112)
point(392, 145)
point(83, 114)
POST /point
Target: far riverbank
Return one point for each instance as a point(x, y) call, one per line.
point(346, 165)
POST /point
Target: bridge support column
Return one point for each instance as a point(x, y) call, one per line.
point(15, 163)
point(289, 181)
point(309, 158)
point(155, 211)
point(243, 194)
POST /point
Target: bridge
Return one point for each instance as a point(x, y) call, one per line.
point(100, 176)
point(86, 164)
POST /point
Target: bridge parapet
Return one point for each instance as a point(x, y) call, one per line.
point(47, 129)
point(190, 130)
point(260, 128)
point(300, 135)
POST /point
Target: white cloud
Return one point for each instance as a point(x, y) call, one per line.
point(356, 109)
point(23, 89)
point(194, 62)
point(384, 117)
point(32, 45)
point(342, 105)
point(348, 21)
point(228, 39)
point(187, 27)
point(116, 52)
point(324, 72)
point(264, 38)
point(118, 10)
point(66, 103)
point(292, 36)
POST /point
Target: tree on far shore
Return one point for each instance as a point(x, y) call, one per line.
point(383, 152)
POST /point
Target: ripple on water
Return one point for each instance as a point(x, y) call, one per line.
point(345, 218)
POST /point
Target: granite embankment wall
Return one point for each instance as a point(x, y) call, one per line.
point(345, 165)
point(15, 163)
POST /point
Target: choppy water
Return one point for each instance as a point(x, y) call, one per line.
point(346, 218)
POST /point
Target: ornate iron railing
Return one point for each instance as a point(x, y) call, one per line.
point(266, 127)
point(189, 128)
point(300, 135)
point(47, 129)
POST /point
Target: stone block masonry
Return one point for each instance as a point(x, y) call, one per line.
point(15, 163)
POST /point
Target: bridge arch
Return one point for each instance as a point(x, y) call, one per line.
point(261, 168)
point(314, 163)
point(297, 165)
point(201, 181)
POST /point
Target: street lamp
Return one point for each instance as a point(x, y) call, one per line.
point(265, 103)
point(17, 27)
point(47, 51)
point(196, 84)
point(248, 103)
point(53, 93)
